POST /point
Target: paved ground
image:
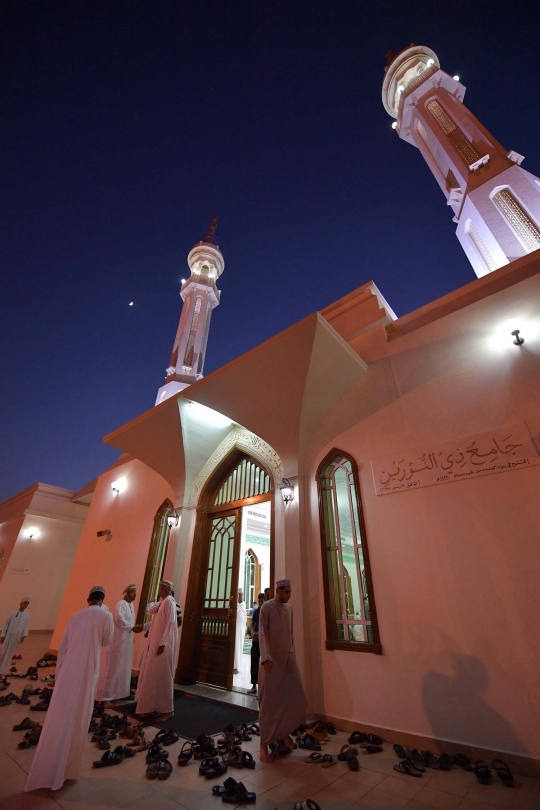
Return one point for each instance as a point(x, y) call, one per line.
point(124, 787)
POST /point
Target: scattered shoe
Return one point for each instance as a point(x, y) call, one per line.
point(31, 738)
point(109, 758)
point(503, 772)
point(482, 772)
point(462, 761)
point(239, 795)
point(25, 725)
point(407, 767)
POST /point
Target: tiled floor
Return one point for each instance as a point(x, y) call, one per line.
point(278, 785)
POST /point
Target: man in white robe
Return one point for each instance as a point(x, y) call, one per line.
point(115, 675)
point(155, 690)
point(241, 618)
point(61, 747)
point(13, 633)
point(282, 700)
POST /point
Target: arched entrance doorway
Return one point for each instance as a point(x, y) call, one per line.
point(233, 545)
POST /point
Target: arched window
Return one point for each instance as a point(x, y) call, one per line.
point(351, 621)
point(156, 561)
point(250, 578)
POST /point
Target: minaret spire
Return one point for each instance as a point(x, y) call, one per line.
point(200, 295)
point(496, 203)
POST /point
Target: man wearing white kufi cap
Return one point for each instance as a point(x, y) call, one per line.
point(115, 676)
point(282, 700)
point(61, 747)
point(155, 689)
point(13, 633)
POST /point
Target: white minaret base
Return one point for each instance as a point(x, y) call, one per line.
point(169, 390)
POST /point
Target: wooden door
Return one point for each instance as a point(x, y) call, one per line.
point(216, 638)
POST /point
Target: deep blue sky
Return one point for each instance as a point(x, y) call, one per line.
point(127, 126)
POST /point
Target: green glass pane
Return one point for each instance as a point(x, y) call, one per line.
point(334, 584)
point(356, 632)
point(358, 538)
point(344, 512)
point(365, 597)
point(329, 520)
point(340, 632)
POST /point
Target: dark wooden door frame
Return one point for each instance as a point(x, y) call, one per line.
point(187, 660)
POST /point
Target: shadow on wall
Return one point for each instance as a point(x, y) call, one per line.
point(456, 710)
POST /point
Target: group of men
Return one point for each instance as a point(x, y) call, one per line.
point(63, 739)
point(60, 751)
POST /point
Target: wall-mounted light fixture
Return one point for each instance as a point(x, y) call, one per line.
point(519, 341)
point(105, 533)
point(32, 534)
point(287, 491)
point(455, 78)
point(173, 519)
point(118, 486)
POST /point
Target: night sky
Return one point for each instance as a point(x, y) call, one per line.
point(126, 126)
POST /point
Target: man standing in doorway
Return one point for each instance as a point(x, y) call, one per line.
point(62, 744)
point(241, 617)
point(267, 594)
point(155, 690)
point(114, 681)
point(13, 633)
point(255, 650)
point(282, 700)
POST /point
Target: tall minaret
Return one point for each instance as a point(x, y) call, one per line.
point(200, 295)
point(496, 203)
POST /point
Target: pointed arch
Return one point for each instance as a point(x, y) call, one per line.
point(240, 439)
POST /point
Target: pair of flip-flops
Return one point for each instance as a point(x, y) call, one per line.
point(240, 759)
point(114, 757)
point(159, 767)
point(308, 742)
point(25, 725)
point(358, 737)
point(31, 738)
point(166, 737)
point(483, 773)
point(324, 760)
point(233, 792)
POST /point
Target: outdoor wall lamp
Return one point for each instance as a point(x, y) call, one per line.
point(173, 519)
point(118, 486)
point(287, 491)
point(519, 341)
point(32, 534)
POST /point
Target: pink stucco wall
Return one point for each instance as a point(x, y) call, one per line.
point(456, 566)
point(117, 562)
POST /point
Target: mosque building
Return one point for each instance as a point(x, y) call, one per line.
point(412, 597)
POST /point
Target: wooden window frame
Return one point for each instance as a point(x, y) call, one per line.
point(332, 642)
point(160, 515)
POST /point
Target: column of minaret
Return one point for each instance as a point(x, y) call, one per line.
point(200, 295)
point(496, 203)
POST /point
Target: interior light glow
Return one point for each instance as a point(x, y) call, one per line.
point(394, 125)
point(287, 491)
point(455, 78)
point(400, 88)
point(118, 486)
point(208, 415)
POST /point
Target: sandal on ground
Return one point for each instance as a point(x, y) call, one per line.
point(331, 729)
point(431, 760)
point(314, 759)
point(109, 758)
point(357, 737)
point(155, 753)
point(247, 760)
point(482, 772)
point(25, 725)
point(31, 738)
point(253, 728)
point(408, 768)
point(186, 753)
point(125, 751)
point(308, 804)
point(400, 751)
point(374, 739)
point(239, 795)
point(164, 770)
point(308, 743)
point(328, 760)
point(445, 762)
point(462, 761)
point(42, 706)
point(210, 762)
point(345, 751)
point(371, 749)
point(24, 700)
point(165, 737)
point(103, 744)
point(319, 732)
point(235, 758)
point(228, 785)
point(503, 772)
point(217, 770)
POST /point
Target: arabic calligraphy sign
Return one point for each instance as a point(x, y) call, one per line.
point(493, 451)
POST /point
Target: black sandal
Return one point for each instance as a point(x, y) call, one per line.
point(239, 795)
point(217, 770)
point(408, 768)
point(308, 743)
point(357, 737)
point(371, 749)
point(185, 755)
point(109, 758)
point(445, 762)
point(503, 772)
point(247, 760)
point(228, 785)
point(462, 761)
point(482, 772)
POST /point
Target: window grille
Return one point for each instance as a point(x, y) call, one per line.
point(245, 481)
point(349, 602)
point(250, 572)
point(442, 165)
point(525, 228)
point(481, 246)
point(463, 146)
point(188, 357)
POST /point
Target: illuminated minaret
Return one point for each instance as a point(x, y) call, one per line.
point(496, 203)
point(200, 295)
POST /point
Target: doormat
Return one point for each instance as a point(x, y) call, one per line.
point(194, 715)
